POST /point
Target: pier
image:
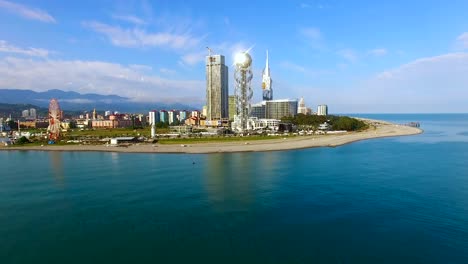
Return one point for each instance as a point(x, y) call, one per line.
point(412, 124)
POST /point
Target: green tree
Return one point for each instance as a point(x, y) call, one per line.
point(22, 140)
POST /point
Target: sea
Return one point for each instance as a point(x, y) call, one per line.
point(388, 200)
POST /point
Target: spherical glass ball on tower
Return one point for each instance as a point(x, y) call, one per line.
point(243, 91)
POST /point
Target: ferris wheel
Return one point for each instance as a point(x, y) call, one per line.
point(55, 114)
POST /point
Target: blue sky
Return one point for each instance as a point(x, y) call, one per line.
point(355, 56)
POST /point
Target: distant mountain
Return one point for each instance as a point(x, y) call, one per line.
point(15, 110)
point(74, 101)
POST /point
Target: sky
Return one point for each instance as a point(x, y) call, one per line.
point(354, 56)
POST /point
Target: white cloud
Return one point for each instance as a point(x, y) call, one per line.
point(135, 37)
point(292, 66)
point(225, 48)
point(311, 33)
point(141, 68)
point(130, 19)
point(305, 71)
point(167, 71)
point(8, 48)
point(193, 58)
point(434, 84)
point(462, 41)
point(313, 37)
point(305, 5)
point(378, 52)
point(27, 12)
point(348, 54)
point(133, 82)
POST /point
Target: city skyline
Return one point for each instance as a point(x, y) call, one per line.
point(384, 61)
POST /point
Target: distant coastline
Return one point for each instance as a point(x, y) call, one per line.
point(377, 129)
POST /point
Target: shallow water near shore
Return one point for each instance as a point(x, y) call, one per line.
point(389, 200)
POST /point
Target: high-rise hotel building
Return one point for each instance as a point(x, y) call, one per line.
point(217, 105)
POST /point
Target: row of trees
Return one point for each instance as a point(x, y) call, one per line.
point(336, 122)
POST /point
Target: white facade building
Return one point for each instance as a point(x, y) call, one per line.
point(322, 110)
point(153, 117)
point(172, 116)
point(32, 113)
point(255, 123)
point(302, 109)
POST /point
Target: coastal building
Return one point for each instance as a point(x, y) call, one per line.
point(322, 110)
point(32, 113)
point(267, 82)
point(83, 123)
point(153, 117)
point(258, 110)
point(195, 114)
point(216, 88)
point(302, 109)
point(204, 111)
point(183, 115)
point(114, 121)
point(277, 109)
point(172, 116)
point(34, 123)
point(193, 121)
point(263, 123)
point(163, 116)
point(25, 113)
point(232, 107)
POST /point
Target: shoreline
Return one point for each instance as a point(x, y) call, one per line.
point(382, 129)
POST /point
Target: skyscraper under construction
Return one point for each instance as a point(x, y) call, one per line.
point(216, 88)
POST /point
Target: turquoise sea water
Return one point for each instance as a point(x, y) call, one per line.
point(392, 200)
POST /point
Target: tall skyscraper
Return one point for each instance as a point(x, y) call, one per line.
point(217, 105)
point(25, 113)
point(322, 110)
point(267, 82)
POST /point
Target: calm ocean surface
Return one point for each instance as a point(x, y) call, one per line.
point(392, 200)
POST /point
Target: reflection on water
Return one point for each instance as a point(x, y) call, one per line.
point(56, 167)
point(234, 182)
point(228, 181)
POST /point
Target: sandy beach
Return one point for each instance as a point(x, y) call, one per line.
point(382, 129)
